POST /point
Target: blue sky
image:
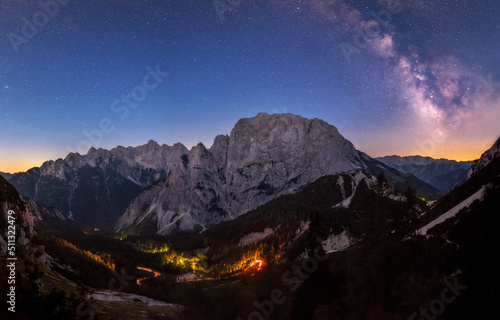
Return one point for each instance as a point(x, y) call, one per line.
point(394, 78)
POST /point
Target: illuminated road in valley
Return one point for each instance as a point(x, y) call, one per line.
point(155, 274)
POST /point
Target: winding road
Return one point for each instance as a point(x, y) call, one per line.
point(155, 274)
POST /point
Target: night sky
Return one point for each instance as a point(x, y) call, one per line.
point(410, 77)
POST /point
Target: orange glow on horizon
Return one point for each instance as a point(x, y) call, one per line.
point(465, 149)
point(455, 157)
point(18, 165)
point(466, 155)
point(30, 156)
point(464, 152)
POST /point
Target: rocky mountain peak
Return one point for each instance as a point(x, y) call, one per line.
point(288, 138)
point(263, 157)
point(279, 128)
point(92, 150)
point(152, 144)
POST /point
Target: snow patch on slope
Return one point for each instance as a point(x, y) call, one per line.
point(357, 177)
point(335, 243)
point(345, 203)
point(255, 237)
point(453, 211)
point(304, 226)
point(120, 296)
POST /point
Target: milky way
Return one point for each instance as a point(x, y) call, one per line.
point(447, 101)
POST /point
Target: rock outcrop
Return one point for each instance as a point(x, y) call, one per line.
point(486, 158)
point(21, 222)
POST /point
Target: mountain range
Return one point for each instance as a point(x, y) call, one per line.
point(95, 188)
point(443, 174)
point(153, 188)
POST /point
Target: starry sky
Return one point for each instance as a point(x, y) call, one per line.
point(395, 77)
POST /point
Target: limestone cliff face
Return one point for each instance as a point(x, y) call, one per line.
point(264, 157)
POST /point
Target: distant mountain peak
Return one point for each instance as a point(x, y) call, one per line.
point(152, 143)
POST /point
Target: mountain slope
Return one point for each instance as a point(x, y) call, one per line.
point(354, 263)
point(26, 213)
point(441, 173)
point(264, 157)
point(383, 273)
point(485, 159)
point(23, 220)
